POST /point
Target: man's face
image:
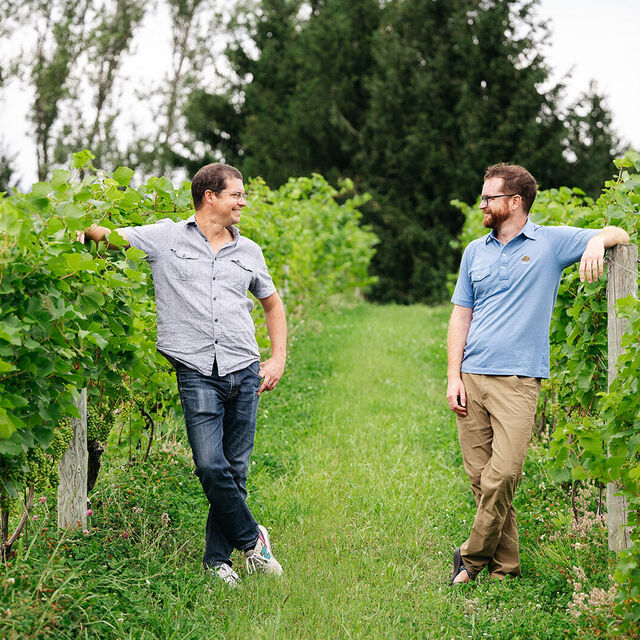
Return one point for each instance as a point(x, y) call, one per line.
point(497, 210)
point(230, 202)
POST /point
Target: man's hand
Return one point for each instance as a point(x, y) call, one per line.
point(81, 235)
point(457, 397)
point(271, 371)
point(98, 234)
point(592, 261)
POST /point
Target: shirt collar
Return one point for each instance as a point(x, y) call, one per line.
point(528, 230)
point(235, 232)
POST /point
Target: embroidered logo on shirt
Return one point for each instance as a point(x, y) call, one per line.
point(525, 259)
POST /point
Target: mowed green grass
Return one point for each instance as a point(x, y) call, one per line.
point(356, 473)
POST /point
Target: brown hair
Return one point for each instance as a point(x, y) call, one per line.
point(515, 179)
point(211, 177)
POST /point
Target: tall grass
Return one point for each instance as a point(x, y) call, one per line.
point(358, 476)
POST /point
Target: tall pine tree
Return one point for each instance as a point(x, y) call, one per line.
point(454, 89)
point(304, 100)
point(412, 99)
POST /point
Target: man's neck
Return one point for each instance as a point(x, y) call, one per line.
point(510, 229)
point(217, 233)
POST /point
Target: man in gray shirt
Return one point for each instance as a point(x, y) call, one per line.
point(202, 269)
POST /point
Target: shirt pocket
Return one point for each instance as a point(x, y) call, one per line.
point(184, 263)
point(481, 279)
point(237, 274)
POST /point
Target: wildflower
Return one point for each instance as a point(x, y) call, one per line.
point(11, 580)
point(89, 512)
point(85, 532)
point(43, 499)
point(34, 517)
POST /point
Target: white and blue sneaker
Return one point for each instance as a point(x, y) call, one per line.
point(260, 557)
point(225, 573)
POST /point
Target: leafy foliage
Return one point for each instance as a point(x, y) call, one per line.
point(74, 318)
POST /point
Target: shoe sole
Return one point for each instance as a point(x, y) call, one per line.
point(267, 542)
point(458, 567)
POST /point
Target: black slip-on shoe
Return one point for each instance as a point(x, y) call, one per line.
point(458, 567)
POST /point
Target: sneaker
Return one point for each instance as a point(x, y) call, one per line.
point(225, 573)
point(260, 557)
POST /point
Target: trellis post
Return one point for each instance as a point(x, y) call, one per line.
point(622, 281)
point(72, 469)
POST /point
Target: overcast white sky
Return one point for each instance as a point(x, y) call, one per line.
point(592, 39)
point(599, 39)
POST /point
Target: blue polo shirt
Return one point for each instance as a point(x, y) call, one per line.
point(512, 289)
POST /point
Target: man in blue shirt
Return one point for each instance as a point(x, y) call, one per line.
point(498, 350)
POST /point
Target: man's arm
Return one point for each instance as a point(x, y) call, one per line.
point(458, 331)
point(272, 369)
point(592, 261)
point(98, 234)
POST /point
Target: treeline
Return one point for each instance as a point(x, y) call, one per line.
point(411, 99)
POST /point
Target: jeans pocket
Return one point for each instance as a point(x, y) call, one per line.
point(254, 368)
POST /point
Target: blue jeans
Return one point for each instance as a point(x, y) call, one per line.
point(220, 413)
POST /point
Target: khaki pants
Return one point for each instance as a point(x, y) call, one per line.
point(494, 436)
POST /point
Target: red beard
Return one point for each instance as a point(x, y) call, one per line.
point(494, 219)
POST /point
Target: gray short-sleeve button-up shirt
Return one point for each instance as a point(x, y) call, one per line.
point(204, 313)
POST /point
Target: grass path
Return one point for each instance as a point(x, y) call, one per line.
point(360, 522)
point(366, 526)
point(357, 474)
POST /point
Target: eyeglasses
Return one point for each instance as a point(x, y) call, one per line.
point(485, 199)
point(238, 196)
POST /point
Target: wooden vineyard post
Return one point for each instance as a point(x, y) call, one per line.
point(622, 281)
point(72, 490)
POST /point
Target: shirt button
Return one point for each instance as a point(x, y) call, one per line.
point(215, 299)
point(216, 320)
point(214, 277)
point(216, 341)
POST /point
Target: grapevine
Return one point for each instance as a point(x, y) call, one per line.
point(74, 316)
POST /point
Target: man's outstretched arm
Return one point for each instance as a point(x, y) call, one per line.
point(98, 234)
point(592, 261)
point(458, 330)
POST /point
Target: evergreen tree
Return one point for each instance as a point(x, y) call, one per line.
point(411, 99)
point(7, 170)
point(454, 90)
point(592, 144)
point(303, 96)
